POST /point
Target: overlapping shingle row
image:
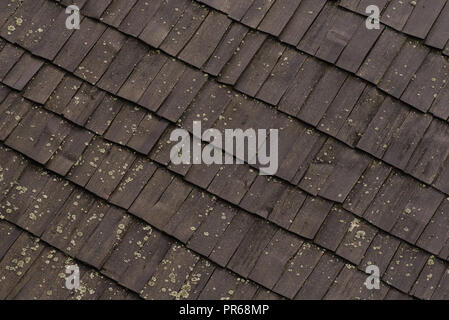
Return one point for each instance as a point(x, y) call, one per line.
point(117, 244)
point(102, 153)
point(31, 270)
point(398, 65)
point(336, 113)
point(128, 69)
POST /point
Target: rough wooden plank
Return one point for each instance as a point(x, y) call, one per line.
point(8, 235)
point(97, 61)
point(298, 270)
point(321, 278)
point(106, 236)
point(360, 116)
point(439, 34)
point(441, 292)
point(244, 54)
point(310, 217)
point(279, 79)
point(403, 68)
point(350, 285)
point(87, 163)
point(185, 28)
point(256, 12)
point(423, 17)
point(334, 171)
point(319, 29)
point(357, 48)
point(109, 173)
point(417, 214)
point(83, 104)
point(430, 79)
point(287, 207)
point(207, 106)
point(72, 224)
point(95, 8)
point(391, 200)
point(17, 261)
point(278, 16)
point(322, 96)
point(366, 187)
point(212, 228)
point(135, 259)
point(43, 84)
point(339, 36)
point(142, 75)
point(198, 207)
point(69, 151)
point(340, 108)
point(204, 42)
point(225, 49)
point(147, 134)
point(307, 77)
point(232, 237)
point(100, 120)
point(232, 183)
point(263, 196)
point(182, 94)
point(162, 22)
point(397, 14)
point(45, 206)
point(436, 232)
point(138, 17)
point(159, 211)
point(356, 241)
point(12, 111)
point(22, 72)
point(405, 267)
point(125, 124)
point(63, 94)
point(117, 11)
point(132, 183)
point(252, 246)
point(162, 85)
point(383, 127)
point(79, 44)
point(9, 55)
point(334, 228)
point(405, 139)
point(39, 135)
point(122, 66)
point(238, 9)
point(428, 279)
point(270, 265)
point(430, 153)
point(382, 54)
point(303, 18)
point(260, 67)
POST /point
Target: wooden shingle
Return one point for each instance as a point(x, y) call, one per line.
point(159, 25)
point(186, 27)
point(405, 267)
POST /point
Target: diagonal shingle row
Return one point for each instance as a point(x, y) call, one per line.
point(346, 112)
point(164, 193)
point(417, 228)
point(400, 66)
point(427, 20)
point(115, 243)
point(330, 191)
point(33, 270)
point(96, 155)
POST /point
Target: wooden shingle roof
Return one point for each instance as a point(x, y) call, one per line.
point(85, 170)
